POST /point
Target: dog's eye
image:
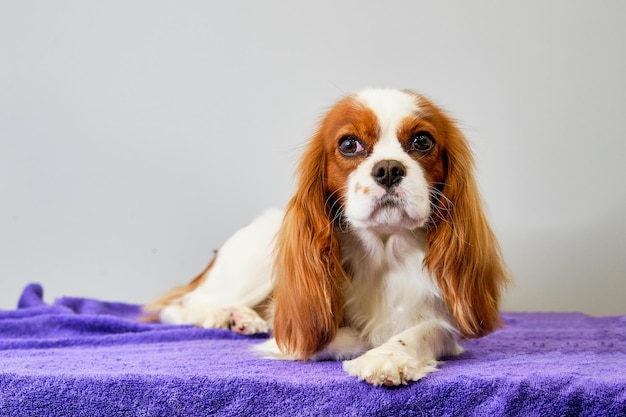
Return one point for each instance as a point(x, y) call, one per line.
point(350, 146)
point(422, 142)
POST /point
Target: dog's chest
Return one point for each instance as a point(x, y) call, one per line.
point(390, 290)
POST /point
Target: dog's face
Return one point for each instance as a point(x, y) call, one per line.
point(385, 160)
point(383, 163)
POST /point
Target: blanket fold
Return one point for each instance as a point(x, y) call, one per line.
point(86, 357)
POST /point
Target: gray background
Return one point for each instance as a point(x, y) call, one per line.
point(136, 136)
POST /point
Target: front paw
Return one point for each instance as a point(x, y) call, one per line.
point(388, 367)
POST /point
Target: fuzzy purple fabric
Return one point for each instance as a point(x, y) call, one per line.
point(84, 357)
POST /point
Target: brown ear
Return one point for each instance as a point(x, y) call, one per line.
point(308, 296)
point(463, 253)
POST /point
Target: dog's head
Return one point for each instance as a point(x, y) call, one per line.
point(383, 162)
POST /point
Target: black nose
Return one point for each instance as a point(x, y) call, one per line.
point(388, 173)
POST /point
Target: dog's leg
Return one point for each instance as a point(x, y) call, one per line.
point(234, 290)
point(408, 356)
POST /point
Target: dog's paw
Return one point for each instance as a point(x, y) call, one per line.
point(244, 320)
point(388, 367)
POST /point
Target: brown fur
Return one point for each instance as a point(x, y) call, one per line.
point(308, 291)
point(463, 254)
point(308, 296)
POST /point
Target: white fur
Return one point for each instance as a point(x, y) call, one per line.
point(391, 107)
point(240, 277)
point(394, 310)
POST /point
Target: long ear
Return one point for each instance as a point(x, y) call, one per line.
point(308, 296)
point(463, 252)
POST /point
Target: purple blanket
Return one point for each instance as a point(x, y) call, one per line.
point(83, 357)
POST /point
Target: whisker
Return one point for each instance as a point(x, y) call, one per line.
point(328, 200)
point(443, 210)
point(440, 197)
point(335, 212)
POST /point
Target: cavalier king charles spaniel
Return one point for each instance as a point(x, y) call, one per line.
point(383, 258)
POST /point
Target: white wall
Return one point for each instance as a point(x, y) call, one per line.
point(136, 136)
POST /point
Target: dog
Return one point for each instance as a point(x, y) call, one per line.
point(383, 258)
